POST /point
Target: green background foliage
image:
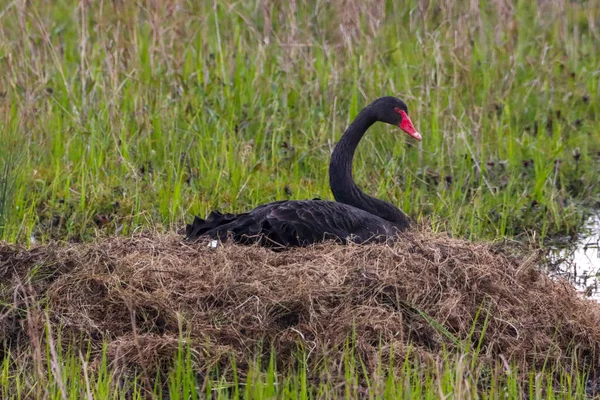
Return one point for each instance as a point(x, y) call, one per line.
point(126, 115)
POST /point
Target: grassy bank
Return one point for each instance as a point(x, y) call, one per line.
point(448, 376)
point(120, 116)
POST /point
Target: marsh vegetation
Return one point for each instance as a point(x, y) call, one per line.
point(125, 117)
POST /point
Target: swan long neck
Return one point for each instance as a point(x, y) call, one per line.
point(341, 181)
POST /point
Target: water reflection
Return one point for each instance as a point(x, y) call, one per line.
point(580, 261)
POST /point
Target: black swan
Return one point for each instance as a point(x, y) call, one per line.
point(354, 216)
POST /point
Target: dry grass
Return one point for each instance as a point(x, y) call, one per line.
point(135, 293)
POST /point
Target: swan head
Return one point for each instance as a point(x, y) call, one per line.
point(394, 111)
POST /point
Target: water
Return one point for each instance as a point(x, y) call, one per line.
point(579, 261)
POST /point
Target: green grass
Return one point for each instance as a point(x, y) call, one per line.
point(70, 374)
point(130, 116)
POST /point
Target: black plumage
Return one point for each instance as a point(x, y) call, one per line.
point(354, 216)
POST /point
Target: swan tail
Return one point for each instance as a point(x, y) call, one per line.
point(209, 226)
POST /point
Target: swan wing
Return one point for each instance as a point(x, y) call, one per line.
point(294, 223)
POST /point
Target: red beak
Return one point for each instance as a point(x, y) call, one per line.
point(407, 126)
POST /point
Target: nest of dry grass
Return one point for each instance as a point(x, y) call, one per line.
point(136, 294)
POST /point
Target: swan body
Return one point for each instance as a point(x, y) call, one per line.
point(291, 223)
point(353, 217)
